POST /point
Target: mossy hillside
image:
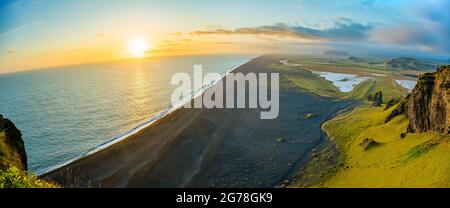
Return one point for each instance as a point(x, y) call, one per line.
point(418, 160)
point(307, 81)
point(390, 89)
point(8, 156)
point(14, 177)
point(13, 166)
point(330, 64)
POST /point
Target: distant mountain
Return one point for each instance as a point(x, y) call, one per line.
point(336, 53)
point(407, 63)
point(357, 60)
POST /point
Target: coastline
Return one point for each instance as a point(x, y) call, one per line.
point(209, 147)
point(140, 127)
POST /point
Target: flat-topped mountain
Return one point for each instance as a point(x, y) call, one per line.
point(336, 53)
point(357, 59)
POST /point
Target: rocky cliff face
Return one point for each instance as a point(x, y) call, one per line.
point(12, 148)
point(428, 106)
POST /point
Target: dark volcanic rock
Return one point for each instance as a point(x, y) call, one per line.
point(400, 109)
point(428, 106)
point(391, 103)
point(366, 143)
point(402, 135)
point(378, 99)
point(12, 148)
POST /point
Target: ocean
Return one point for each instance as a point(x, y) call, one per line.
point(67, 112)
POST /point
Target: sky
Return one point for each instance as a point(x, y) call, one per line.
point(46, 33)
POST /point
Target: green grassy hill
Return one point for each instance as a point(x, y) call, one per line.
point(407, 63)
point(13, 166)
point(307, 81)
point(390, 89)
point(417, 160)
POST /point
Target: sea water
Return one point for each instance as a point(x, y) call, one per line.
point(66, 112)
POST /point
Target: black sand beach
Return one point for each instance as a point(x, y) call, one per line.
point(211, 147)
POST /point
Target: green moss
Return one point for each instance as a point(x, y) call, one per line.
point(418, 160)
point(12, 174)
point(422, 149)
point(307, 81)
point(390, 89)
point(319, 167)
point(8, 156)
point(13, 177)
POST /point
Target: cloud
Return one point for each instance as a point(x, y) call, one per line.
point(21, 28)
point(278, 30)
point(429, 31)
point(427, 37)
point(423, 26)
point(10, 51)
point(344, 29)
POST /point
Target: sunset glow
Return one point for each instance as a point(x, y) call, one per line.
point(131, 30)
point(137, 47)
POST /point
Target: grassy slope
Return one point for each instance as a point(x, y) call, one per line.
point(327, 63)
point(8, 156)
point(12, 176)
point(308, 81)
point(390, 89)
point(419, 160)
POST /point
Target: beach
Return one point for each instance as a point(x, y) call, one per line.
point(212, 147)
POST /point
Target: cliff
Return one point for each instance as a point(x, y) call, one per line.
point(12, 148)
point(428, 106)
point(13, 160)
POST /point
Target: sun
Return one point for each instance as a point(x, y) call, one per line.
point(138, 47)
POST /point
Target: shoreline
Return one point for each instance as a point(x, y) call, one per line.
point(210, 147)
point(140, 127)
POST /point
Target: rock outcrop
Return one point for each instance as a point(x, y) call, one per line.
point(391, 103)
point(428, 106)
point(400, 109)
point(376, 98)
point(367, 143)
point(12, 148)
